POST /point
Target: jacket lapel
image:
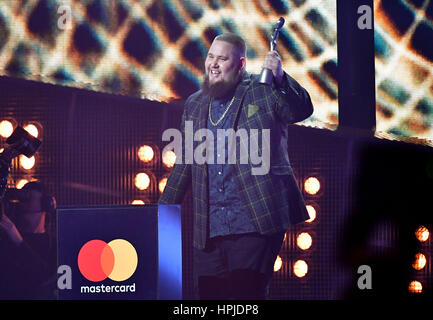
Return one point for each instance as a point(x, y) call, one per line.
point(240, 92)
point(203, 112)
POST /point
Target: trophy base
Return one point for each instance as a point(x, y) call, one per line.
point(266, 77)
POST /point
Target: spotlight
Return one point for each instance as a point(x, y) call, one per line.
point(169, 158)
point(304, 241)
point(142, 181)
point(137, 202)
point(162, 183)
point(312, 185)
point(419, 261)
point(23, 142)
point(415, 287)
point(278, 264)
point(311, 212)
point(146, 153)
point(21, 183)
point(422, 233)
point(300, 268)
point(32, 129)
point(27, 163)
point(6, 128)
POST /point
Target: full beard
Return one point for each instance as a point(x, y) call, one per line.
point(222, 88)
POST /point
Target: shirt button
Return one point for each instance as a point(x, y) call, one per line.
point(220, 173)
point(220, 190)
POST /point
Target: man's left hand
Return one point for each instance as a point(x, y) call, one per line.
point(273, 62)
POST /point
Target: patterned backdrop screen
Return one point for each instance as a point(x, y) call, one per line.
point(155, 49)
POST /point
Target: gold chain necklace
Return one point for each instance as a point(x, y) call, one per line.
point(224, 114)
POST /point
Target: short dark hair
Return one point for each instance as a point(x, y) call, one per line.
point(237, 41)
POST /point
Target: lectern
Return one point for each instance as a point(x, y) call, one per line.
point(121, 252)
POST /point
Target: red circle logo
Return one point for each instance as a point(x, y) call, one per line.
point(98, 260)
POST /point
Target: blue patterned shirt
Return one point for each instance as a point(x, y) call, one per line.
point(226, 213)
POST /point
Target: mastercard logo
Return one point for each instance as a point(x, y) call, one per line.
point(116, 260)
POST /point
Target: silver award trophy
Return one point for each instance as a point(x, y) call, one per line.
point(266, 77)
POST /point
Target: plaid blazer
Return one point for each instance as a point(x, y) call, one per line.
point(273, 200)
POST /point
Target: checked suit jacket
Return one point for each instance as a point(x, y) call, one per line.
point(273, 200)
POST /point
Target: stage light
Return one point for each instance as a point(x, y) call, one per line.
point(32, 129)
point(300, 268)
point(6, 128)
point(304, 241)
point(27, 163)
point(415, 287)
point(169, 158)
point(422, 233)
point(146, 153)
point(278, 264)
point(162, 183)
point(21, 183)
point(419, 262)
point(142, 181)
point(311, 213)
point(135, 202)
point(312, 185)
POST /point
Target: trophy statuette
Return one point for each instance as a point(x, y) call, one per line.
point(266, 76)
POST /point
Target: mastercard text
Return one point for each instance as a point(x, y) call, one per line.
point(108, 288)
point(64, 281)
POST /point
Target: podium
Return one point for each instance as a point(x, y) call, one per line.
point(120, 252)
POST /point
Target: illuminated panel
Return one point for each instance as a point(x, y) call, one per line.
point(404, 68)
point(156, 49)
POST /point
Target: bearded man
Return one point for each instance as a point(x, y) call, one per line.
point(240, 218)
